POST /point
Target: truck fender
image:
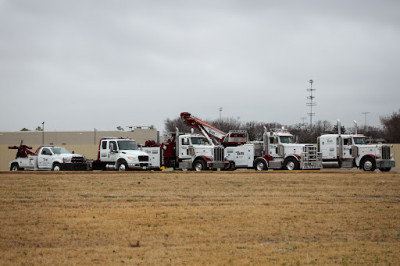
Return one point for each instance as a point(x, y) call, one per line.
point(268, 157)
point(202, 157)
point(295, 156)
point(369, 155)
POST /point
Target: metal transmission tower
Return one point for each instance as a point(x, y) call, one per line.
point(311, 103)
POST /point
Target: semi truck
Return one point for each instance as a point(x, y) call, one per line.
point(351, 150)
point(47, 158)
point(277, 150)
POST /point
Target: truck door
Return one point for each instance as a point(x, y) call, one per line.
point(273, 146)
point(108, 151)
point(113, 151)
point(184, 148)
point(347, 148)
point(45, 159)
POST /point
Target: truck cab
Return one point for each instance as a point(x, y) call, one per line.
point(283, 152)
point(347, 151)
point(120, 154)
point(195, 151)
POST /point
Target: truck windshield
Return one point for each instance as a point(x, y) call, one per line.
point(286, 139)
point(127, 145)
point(199, 141)
point(60, 150)
point(359, 140)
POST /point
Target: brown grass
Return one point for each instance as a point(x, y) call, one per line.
point(223, 218)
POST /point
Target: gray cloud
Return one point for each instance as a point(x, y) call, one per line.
point(101, 64)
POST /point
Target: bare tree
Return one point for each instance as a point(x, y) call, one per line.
point(391, 126)
point(172, 124)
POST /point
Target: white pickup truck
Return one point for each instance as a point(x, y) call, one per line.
point(47, 158)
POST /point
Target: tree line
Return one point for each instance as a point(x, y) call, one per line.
point(388, 132)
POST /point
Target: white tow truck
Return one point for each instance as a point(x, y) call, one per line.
point(47, 158)
point(276, 151)
point(187, 151)
point(120, 154)
point(348, 151)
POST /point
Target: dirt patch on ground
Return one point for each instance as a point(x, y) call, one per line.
point(158, 218)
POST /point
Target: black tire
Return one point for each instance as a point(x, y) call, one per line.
point(385, 169)
point(260, 165)
point(368, 164)
point(291, 164)
point(14, 167)
point(199, 165)
point(122, 166)
point(56, 167)
point(231, 166)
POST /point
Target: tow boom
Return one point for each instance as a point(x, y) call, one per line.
point(233, 138)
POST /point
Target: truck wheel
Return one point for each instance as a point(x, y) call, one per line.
point(122, 166)
point(368, 164)
point(291, 164)
point(14, 167)
point(199, 165)
point(260, 165)
point(385, 169)
point(56, 167)
point(231, 166)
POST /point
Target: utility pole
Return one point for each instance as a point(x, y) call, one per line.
point(43, 133)
point(220, 111)
point(365, 120)
point(311, 103)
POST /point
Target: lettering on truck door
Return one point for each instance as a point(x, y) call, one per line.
point(45, 158)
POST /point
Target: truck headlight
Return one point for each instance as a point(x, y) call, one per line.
point(67, 160)
point(131, 158)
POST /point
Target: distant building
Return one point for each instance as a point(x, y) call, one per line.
point(75, 137)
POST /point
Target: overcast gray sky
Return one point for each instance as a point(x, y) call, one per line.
point(81, 64)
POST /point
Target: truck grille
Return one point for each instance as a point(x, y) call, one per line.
point(143, 158)
point(218, 153)
point(386, 152)
point(311, 158)
point(77, 160)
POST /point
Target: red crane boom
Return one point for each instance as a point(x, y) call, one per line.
point(233, 138)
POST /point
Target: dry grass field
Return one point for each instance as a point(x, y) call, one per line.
point(190, 218)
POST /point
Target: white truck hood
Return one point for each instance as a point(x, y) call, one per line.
point(294, 148)
point(133, 153)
